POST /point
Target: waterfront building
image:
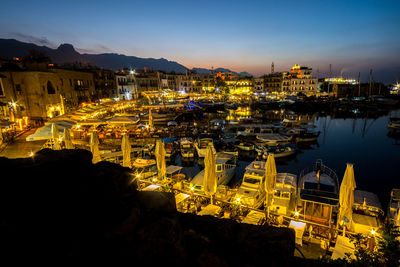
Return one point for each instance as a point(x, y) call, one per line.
point(259, 85)
point(299, 80)
point(43, 93)
point(241, 86)
point(126, 86)
point(273, 82)
point(147, 81)
point(104, 83)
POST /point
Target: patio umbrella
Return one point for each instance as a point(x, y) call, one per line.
point(12, 116)
point(150, 119)
point(270, 177)
point(67, 139)
point(210, 179)
point(55, 136)
point(94, 147)
point(160, 157)
point(346, 195)
point(126, 151)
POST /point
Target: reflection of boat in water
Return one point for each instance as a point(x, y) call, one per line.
point(284, 200)
point(318, 194)
point(187, 147)
point(393, 213)
point(201, 146)
point(251, 192)
point(367, 213)
point(225, 170)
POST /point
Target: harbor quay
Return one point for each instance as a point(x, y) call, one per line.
point(251, 162)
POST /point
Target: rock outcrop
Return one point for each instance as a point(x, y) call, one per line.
point(58, 205)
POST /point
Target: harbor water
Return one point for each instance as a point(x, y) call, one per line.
point(364, 142)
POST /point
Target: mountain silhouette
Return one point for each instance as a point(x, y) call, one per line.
point(66, 53)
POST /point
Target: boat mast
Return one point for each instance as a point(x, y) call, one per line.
point(370, 82)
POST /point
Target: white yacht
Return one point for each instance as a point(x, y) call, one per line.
point(284, 200)
point(251, 192)
point(225, 170)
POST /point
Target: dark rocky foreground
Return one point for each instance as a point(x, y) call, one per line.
point(59, 206)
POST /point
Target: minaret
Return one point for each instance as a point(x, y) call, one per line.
point(272, 67)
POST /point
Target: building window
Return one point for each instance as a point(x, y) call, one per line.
point(18, 88)
point(70, 82)
point(62, 82)
point(50, 88)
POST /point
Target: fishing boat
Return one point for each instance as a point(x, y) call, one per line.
point(393, 213)
point(145, 168)
point(251, 192)
point(318, 194)
point(394, 124)
point(245, 146)
point(201, 146)
point(170, 148)
point(187, 147)
point(302, 134)
point(273, 138)
point(225, 169)
point(284, 200)
point(279, 151)
point(367, 213)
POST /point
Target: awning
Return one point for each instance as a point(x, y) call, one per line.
point(172, 168)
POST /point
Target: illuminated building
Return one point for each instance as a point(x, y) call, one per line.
point(126, 86)
point(36, 94)
point(240, 87)
point(299, 80)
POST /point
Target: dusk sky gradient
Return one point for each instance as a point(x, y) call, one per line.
point(242, 35)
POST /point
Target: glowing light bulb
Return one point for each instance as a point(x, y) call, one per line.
point(296, 213)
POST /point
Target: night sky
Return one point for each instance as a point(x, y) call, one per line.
point(242, 35)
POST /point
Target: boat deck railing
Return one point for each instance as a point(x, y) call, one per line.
point(323, 169)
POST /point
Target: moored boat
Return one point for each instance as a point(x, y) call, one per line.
point(245, 146)
point(187, 147)
point(144, 168)
point(367, 213)
point(393, 213)
point(225, 170)
point(251, 192)
point(279, 151)
point(272, 138)
point(394, 124)
point(201, 146)
point(170, 148)
point(284, 200)
point(318, 194)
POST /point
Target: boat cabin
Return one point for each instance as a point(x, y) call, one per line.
point(284, 200)
point(318, 195)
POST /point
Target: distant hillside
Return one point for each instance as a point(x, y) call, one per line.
point(66, 53)
point(208, 71)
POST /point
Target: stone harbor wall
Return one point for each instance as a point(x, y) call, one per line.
point(57, 205)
